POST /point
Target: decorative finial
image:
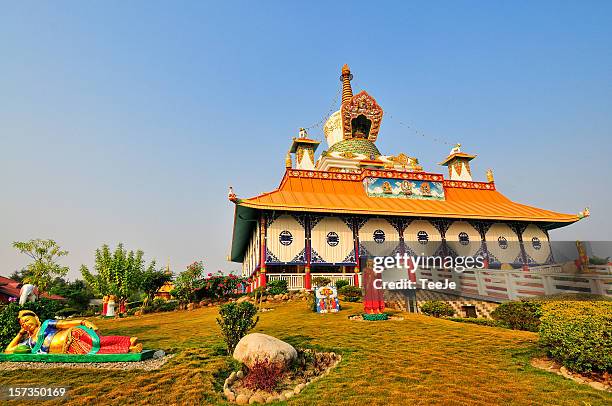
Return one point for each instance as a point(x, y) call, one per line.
point(303, 133)
point(456, 149)
point(288, 163)
point(345, 78)
point(490, 178)
point(231, 195)
point(585, 213)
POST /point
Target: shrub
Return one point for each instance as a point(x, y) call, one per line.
point(235, 320)
point(321, 281)
point(263, 375)
point(481, 322)
point(340, 283)
point(67, 312)
point(578, 334)
point(437, 308)
point(217, 286)
point(350, 293)
point(519, 315)
point(9, 325)
point(277, 287)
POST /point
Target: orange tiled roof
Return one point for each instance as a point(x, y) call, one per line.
point(332, 192)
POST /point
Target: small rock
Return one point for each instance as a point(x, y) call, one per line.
point(281, 398)
point(271, 399)
point(565, 372)
point(240, 374)
point(242, 299)
point(597, 385)
point(232, 377)
point(242, 399)
point(159, 354)
point(228, 393)
point(288, 394)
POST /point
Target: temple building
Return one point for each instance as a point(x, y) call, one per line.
point(328, 211)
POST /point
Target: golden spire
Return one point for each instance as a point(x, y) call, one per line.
point(490, 178)
point(288, 163)
point(345, 78)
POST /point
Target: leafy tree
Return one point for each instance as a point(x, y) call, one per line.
point(77, 293)
point(188, 281)
point(44, 267)
point(152, 280)
point(118, 273)
point(19, 276)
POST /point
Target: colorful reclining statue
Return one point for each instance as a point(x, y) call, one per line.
point(66, 337)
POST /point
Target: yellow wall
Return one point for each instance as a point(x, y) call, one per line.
point(539, 255)
point(318, 239)
point(513, 249)
point(285, 253)
point(411, 238)
point(452, 238)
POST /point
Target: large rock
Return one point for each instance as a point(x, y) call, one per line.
point(259, 346)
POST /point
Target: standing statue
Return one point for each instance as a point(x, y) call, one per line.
point(110, 307)
point(66, 337)
point(26, 294)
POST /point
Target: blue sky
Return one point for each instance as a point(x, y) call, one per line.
point(127, 121)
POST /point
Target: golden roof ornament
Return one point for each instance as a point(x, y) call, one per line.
point(288, 163)
point(303, 133)
point(490, 178)
point(345, 78)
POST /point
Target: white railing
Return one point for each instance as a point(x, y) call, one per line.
point(296, 281)
point(501, 285)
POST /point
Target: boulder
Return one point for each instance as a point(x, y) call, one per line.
point(257, 346)
point(242, 399)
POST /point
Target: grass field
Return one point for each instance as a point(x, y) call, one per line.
point(419, 360)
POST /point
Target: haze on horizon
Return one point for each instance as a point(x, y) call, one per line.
point(127, 122)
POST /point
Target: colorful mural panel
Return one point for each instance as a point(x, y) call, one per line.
point(404, 189)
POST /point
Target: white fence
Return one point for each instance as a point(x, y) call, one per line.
point(296, 281)
point(498, 285)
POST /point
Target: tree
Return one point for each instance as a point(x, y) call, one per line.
point(77, 293)
point(19, 276)
point(152, 280)
point(188, 281)
point(44, 267)
point(118, 273)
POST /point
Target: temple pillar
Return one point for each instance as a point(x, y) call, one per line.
point(356, 276)
point(307, 278)
point(262, 258)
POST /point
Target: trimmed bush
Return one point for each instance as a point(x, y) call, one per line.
point(277, 287)
point(340, 283)
point(437, 308)
point(519, 315)
point(578, 334)
point(235, 320)
point(350, 293)
point(264, 375)
point(321, 281)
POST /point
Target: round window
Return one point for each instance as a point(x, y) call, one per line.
point(503, 243)
point(332, 239)
point(422, 237)
point(464, 238)
point(535, 242)
point(379, 236)
point(285, 237)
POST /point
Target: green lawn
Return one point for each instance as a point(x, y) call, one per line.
point(419, 360)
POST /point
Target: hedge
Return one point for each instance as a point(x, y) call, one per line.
point(519, 315)
point(578, 334)
point(436, 308)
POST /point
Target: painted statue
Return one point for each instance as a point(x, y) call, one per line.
point(66, 337)
point(110, 307)
point(27, 294)
point(327, 299)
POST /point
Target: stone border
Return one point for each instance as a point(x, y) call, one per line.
point(242, 399)
point(549, 365)
point(147, 365)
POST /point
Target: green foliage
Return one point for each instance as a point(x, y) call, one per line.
point(77, 293)
point(219, 285)
point(437, 308)
point(44, 254)
point(187, 282)
point(9, 325)
point(235, 320)
point(481, 322)
point(578, 334)
point(598, 261)
point(320, 281)
point(519, 315)
point(340, 283)
point(119, 273)
point(152, 280)
point(161, 305)
point(277, 287)
point(350, 293)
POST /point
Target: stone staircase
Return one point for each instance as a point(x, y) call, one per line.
point(398, 300)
